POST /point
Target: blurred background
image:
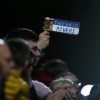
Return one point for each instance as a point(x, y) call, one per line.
point(82, 52)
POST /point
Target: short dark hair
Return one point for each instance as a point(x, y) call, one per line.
point(22, 33)
point(20, 51)
point(55, 67)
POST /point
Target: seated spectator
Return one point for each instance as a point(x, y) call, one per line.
point(60, 84)
point(21, 54)
point(6, 61)
point(56, 67)
point(6, 64)
point(55, 70)
point(59, 69)
point(67, 85)
point(68, 76)
point(50, 70)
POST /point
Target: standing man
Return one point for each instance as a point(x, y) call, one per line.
point(36, 87)
point(36, 43)
point(33, 41)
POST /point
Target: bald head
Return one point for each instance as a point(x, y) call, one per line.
point(6, 62)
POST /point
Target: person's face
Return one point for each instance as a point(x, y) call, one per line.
point(6, 62)
point(75, 87)
point(35, 51)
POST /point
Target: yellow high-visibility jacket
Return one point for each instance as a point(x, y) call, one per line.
point(15, 87)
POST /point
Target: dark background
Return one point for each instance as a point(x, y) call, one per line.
point(82, 53)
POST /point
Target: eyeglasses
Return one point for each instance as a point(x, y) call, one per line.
point(78, 83)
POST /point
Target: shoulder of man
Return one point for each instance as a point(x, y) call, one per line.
point(41, 89)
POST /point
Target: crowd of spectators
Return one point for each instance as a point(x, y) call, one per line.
point(20, 77)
